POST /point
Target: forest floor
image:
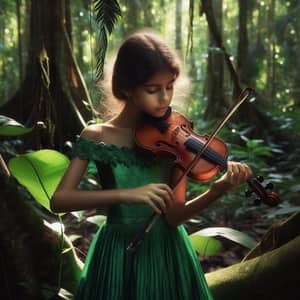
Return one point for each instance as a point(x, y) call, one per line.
point(251, 224)
point(82, 233)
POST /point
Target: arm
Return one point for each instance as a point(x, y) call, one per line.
point(182, 210)
point(68, 197)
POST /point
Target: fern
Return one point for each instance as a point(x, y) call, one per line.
point(107, 13)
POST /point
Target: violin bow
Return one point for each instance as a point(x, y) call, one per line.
point(139, 237)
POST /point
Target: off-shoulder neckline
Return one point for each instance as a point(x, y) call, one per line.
point(111, 146)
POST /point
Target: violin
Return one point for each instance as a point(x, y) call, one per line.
point(200, 157)
point(178, 139)
point(173, 134)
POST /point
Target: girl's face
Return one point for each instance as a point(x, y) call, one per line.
point(155, 95)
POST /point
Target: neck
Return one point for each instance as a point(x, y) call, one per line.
point(129, 117)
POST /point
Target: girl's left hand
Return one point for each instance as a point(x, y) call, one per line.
point(237, 173)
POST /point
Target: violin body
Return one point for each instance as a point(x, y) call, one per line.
point(180, 140)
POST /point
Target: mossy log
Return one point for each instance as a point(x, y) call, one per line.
point(269, 272)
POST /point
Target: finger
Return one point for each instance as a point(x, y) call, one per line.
point(166, 192)
point(165, 187)
point(229, 166)
point(235, 168)
point(166, 196)
point(248, 170)
point(160, 201)
point(238, 174)
point(244, 172)
point(228, 175)
point(154, 207)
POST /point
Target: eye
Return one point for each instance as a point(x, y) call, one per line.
point(151, 90)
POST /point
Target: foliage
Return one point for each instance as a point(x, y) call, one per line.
point(10, 127)
point(40, 172)
point(229, 233)
point(107, 13)
point(204, 245)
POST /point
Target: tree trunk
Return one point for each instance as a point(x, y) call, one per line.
point(271, 54)
point(215, 67)
point(32, 262)
point(53, 90)
point(242, 47)
point(3, 18)
point(292, 53)
point(247, 112)
point(132, 16)
point(178, 23)
point(148, 16)
point(270, 271)
point(18, 4)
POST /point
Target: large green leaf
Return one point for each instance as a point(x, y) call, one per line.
point(97, 219)
point(40, 172)
point(10, 127)
point(229, 233)
point(206, 246)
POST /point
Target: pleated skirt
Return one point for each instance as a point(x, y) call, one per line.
point(164, 266)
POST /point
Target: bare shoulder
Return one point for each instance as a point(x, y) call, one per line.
point(93, 132)
point(109, 134)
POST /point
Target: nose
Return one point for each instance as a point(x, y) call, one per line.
point(164, 97)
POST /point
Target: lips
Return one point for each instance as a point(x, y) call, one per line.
point(162, 109)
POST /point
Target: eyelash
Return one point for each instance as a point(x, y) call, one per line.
point(156, 90)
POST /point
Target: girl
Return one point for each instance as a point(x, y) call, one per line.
point(164, 267)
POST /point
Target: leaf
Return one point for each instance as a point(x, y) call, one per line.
point(10, 127)
point(252, 143)
point(57, 226)
point(65, 294)
point(206, 246)
point(262, 151)
point(295, 188)
point(40, 172)
point(284, 211)
point(98, 219)
point(66, 250)
point(74, 237)
point(229, 233)
point(107, 13)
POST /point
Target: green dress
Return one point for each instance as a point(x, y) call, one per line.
point(164, 266)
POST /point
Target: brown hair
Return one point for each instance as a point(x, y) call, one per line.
point(139, 57)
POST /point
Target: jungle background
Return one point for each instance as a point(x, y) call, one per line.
point(52, 54)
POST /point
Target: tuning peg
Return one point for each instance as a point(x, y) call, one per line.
point(260, 178)
point(248, 193)
point(257, 202)
point(269, 186)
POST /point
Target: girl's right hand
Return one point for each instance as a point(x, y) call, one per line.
point(159, 196)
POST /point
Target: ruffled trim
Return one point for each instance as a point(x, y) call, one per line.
point(109, 153)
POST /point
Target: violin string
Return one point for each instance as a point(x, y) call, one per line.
point(210, 153)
